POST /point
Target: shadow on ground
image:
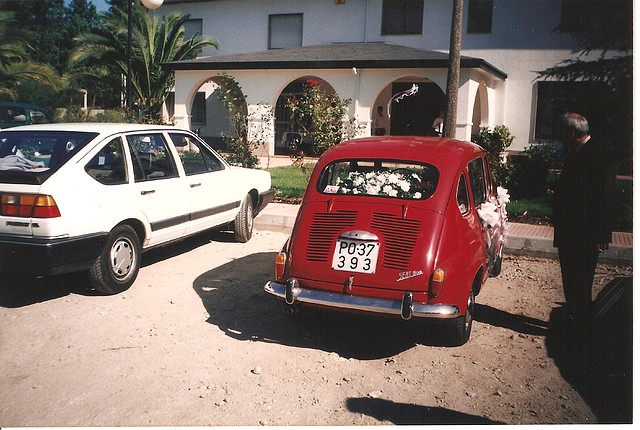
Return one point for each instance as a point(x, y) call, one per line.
point(518, 323)
point(234, 298)
point(403, 413)
point(19, 290)
point(600, 367)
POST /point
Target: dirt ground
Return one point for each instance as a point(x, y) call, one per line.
point(196, 342)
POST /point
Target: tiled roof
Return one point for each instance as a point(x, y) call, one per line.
point(334, 56)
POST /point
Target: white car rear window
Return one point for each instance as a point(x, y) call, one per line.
point(39, 151)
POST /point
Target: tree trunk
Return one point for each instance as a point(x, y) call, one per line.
point(453, 75)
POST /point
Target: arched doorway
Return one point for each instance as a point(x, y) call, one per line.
point(480, 109)
point(285, 127)
point(411, 115)
point(209, 116)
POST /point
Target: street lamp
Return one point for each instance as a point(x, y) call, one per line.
point(151, 5)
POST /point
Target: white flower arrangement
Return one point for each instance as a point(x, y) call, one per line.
point(384, 183)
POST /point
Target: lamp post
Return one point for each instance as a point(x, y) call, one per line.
point(151, 5)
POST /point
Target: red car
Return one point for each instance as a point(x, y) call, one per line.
point(402, 226)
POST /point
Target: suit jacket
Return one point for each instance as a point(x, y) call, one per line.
point(583, 210)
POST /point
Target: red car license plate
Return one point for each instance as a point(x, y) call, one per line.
point(355, 256)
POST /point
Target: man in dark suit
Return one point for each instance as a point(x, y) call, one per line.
point(582, 215)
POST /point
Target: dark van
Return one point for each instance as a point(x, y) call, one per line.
point(13, 114)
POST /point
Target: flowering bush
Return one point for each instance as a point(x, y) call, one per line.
point(322, 115)
point(386, 183)
point(242, 150)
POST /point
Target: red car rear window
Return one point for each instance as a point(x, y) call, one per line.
point(383, 178)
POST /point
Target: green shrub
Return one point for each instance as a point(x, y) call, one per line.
point(109, 116)
point(495, 142)
point(241, 149)
point(74, 114)
point(77, 114)
point(527, 177)
point(524, 174)
point(322, 116)
point(528, 172)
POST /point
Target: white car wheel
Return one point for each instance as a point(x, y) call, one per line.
point(117, 266)
point(243, 225)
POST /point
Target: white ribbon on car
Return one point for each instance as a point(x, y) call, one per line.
point(493, 214)
point(494, 211)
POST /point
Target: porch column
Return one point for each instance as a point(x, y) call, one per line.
point(262, 91)
point(466, 99)
point(261, 129)
point(187, 82)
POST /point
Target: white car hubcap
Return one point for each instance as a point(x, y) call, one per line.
point(122, 258)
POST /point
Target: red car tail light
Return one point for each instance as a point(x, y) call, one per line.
point(436, 285)
point(281, 261)
point(28, 205)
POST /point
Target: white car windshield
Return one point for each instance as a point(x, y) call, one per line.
point(39, 151)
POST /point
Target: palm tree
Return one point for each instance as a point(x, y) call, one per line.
point(154, 43)
point(453, 75)
point(15, 66)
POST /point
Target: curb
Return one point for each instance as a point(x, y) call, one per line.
point(536, 247)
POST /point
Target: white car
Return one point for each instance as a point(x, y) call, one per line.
point(93, 196)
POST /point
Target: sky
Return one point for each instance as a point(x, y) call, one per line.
point(101, 5)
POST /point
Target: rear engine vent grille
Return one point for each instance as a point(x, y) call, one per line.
point(323, 232)
point(400, 237)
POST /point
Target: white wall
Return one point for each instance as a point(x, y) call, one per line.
point(522, 42)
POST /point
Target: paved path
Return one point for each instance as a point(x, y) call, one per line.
point(522, 239)
point(537, 240)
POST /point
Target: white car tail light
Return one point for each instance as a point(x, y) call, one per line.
point(28, 205)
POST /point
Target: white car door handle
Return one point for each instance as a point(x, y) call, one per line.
point(145, 192)
point(195, 185)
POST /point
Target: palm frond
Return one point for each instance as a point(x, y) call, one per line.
point(11, 75)
point(154, 42)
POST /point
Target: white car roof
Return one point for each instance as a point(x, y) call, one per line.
point(95, 127)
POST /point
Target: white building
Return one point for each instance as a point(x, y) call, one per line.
point(368, 50)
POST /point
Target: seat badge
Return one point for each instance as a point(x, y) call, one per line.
point(402, 276)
